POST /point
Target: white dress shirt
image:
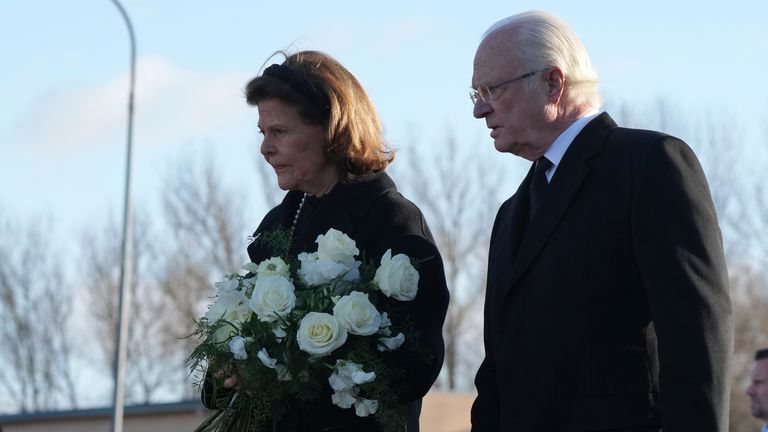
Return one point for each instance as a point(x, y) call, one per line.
point(556, 151)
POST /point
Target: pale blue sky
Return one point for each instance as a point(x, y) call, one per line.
point(63, 80)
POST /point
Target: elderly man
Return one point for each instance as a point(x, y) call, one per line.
point(758, 388)
point(607, 306)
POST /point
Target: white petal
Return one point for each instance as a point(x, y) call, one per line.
point(343, 399)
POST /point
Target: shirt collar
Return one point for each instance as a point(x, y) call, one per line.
point(558, 148)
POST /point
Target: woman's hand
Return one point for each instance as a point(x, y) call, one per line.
point(232, 380)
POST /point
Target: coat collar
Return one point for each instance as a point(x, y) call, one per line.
point(339, 209)
point(343, 207)
point(568, 178)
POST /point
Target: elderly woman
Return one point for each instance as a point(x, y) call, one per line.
point(323, 138)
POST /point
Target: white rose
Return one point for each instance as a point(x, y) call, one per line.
point(391, 343)
point(396, 277)
point(237, 347)
point(337, 246)
point(366, 407)
point(320, 333)
point(273, 297)
point(224, 332)
point(273, 267)
point(357, 314)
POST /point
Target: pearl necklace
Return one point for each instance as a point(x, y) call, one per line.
point(298, 212)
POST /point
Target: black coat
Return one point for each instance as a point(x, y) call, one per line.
point(611, 308)
point(372, 212)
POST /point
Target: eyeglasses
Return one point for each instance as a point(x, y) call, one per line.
point(490, 93)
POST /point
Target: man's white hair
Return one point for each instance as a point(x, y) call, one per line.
point(542, 40)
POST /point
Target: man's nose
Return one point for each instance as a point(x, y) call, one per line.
point(481, 109)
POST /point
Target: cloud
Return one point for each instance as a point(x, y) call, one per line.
point(171, 104)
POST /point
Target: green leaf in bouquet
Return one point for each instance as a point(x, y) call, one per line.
point(278, 240)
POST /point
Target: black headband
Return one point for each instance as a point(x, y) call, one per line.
point(761, 354)
point(300, 84)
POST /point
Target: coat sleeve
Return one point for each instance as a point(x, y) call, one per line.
point(678, 248)
point(427, 315)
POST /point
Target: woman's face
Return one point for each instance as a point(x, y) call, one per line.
point(295, 149)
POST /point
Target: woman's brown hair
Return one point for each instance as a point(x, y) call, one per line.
point(325, 93)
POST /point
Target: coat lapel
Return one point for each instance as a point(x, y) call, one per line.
point(570, 175)
point(513, 230)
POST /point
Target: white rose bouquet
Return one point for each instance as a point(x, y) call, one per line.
point(293, 324)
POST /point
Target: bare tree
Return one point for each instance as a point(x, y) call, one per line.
point(749, 288)
point(148, 367)
point(457, 193)
point(207, 240)
point(35, 303)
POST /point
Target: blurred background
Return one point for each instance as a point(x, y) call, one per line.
point(200, 186)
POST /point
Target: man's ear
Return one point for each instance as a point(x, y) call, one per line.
point(555, 79)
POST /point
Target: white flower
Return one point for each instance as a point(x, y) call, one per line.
point(278, 331)
point(391, 343)
point(237, 347)
point(274, 266)
point(366, 407)
point(320, 333)
point(251, 267)
point(227, 285)
point(230, 306)
point(344, 399)
point(282, 372)
point(347, 374)
point(357, 314)
point(353, 274)
point(273, 297)
point(315, 271)
point(396, 277)
point(266, 360)
point(385, 321)
point(336, 246)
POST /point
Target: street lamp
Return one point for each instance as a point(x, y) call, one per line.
point(126, 267)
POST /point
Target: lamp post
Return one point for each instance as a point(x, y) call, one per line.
point(126, 265)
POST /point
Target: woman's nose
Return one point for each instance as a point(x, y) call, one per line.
point(266, 147)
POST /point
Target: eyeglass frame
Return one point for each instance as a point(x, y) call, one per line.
point(477, 94)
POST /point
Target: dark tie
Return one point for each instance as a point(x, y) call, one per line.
point(539, 185)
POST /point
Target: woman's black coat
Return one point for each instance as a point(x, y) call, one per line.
point(372, 212)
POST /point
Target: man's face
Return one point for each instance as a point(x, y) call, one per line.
point(518, 120)
point(758, 390)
